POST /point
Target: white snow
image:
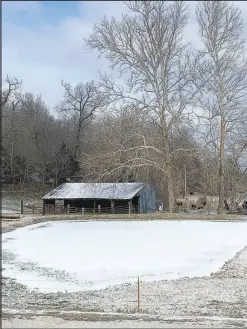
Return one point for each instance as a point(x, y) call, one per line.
point(99, 254)
point(7, 211)
point(121, 191)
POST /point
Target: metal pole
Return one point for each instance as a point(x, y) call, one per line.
point(185, 182)
point(21, 206)
point(43, 212)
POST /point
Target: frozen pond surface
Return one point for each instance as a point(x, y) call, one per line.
point(72, 256)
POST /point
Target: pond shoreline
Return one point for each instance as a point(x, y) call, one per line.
point(8, 225)
point(219, 300)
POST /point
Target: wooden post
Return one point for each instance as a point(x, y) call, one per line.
point(33, 208)
point(138, 294)
point(130, 207)
point(21, 206)
point(43, 210)
point(99, 208)
point(185, 181)
point(82, 211)
point(94, 206)
point(68, 210)
point(112, 207)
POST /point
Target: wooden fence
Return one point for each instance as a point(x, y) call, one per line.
point(38, 208)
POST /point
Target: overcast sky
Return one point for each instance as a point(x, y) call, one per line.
point(43, 42)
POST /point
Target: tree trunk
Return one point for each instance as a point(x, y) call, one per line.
point(23, 181)
point(221, 166)
point(12, 165)
point(77, 147)
point(170, 186)
point(56, 178)
point(169, 173)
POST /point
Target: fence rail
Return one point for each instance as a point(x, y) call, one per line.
point(38, 208)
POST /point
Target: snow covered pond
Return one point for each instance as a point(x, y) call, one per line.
point(72, 256)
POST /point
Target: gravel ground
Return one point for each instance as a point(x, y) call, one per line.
point(219, 301)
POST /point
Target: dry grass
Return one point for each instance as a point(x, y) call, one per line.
point(154, 216)
point(11, 224)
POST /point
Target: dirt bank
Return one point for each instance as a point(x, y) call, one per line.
point(58, 322)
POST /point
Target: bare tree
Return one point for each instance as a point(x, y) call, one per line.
point(10, 104)
point(80, 103)
point(147, 47)
point(221, 31)
point(13, 84)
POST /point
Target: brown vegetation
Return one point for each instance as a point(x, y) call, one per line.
point(177, 120)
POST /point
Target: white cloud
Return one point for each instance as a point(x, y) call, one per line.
point(41, 58)
point(94, 10)
point(20, 7)
point(44, 55)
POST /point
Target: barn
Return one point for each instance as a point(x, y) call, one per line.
point(101, 197)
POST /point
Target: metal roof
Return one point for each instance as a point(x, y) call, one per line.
point(108, 191)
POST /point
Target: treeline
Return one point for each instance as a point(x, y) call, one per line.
point(177, 119)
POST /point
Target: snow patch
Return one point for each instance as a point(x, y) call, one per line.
point(76, 256)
